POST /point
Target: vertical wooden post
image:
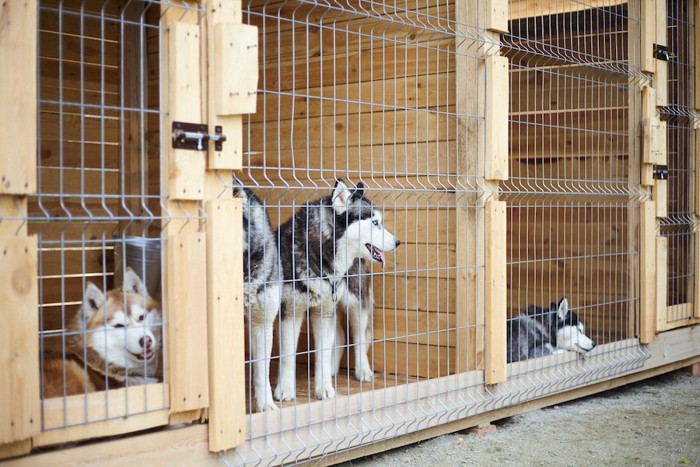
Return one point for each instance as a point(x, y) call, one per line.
point(466, 277)
point(661, 72)
point(648, 34)
point(647, 283)
point(495, 292)
point(497, 100)
point(497, 16)
point(182, 184)
point(232, 56)
point(20, 408)
point(661, 282)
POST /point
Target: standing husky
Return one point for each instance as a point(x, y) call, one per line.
point(261, 292)
point(325, 248)
point(114, 339)
point(543, 331)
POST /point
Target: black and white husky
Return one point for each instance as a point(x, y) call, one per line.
point(261, 292)
point(326, 248)
point(543, 331)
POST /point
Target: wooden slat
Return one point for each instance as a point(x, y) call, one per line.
point(696, 281)
point(648, 273)
point(424, 92)
point(432, 327)
point(83, 409)
point(412, 359)
point(661, 74)
point(18, 101)
point(19, 352)
point(696, 57)
point(18, 448)
point(660, 195)
point(186, 171)
point(527, 8)
point(235, 68)
point(101, 429)
point(661, 282)
point(329, 70)
point(227, 422)
point(648, 34)
point(496, 138)
point(186, 285)
point(495, 293)
point(399, 126)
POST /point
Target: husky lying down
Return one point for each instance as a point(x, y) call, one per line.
point(544, 331)
point(326, 249)
point(113, 340)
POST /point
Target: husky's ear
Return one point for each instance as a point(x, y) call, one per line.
point(341, 196)
point(133, 283)
point(563, 308)
point(359, 191)
point(93, 299)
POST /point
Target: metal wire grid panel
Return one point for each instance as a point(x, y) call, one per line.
point(98, 210)
point(381, 95)
point(680, 116)
point(573, 193)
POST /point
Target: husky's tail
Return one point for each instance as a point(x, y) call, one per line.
point(239, 190)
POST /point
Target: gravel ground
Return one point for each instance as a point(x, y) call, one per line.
point(654, 422)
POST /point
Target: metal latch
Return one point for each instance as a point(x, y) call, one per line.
point(660, 172)
point(661, 52)
point(193, 136)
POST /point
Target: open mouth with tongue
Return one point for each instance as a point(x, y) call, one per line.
point(145, 355)
point(376, 254)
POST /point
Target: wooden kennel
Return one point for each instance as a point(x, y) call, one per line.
point(565, 184)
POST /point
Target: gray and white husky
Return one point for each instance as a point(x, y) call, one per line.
point(261, 276)
point(326, 249)
point(543, 331)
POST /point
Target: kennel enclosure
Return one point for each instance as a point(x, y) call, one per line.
point(521, 151)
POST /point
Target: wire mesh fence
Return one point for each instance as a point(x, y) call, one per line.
point(98, 211)
point(389, 99)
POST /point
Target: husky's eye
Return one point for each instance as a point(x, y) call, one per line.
point(375, 222)
point(119, 325)
point(140, 318)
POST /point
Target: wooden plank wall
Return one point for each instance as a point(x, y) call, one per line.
point(569, 134)
point(338, 103)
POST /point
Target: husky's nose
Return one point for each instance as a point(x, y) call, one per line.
point(398, 242)
point(146, 342)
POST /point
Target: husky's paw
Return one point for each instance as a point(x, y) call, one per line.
point(264, 406)
point(285, 392)
point(364, 374)
point(325, 391)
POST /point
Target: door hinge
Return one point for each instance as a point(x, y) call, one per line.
point(193, 136)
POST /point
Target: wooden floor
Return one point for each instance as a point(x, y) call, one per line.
point(345, 383)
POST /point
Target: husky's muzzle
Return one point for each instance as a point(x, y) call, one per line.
point(378, 254)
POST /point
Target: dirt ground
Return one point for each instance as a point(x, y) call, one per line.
point(654, 422)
